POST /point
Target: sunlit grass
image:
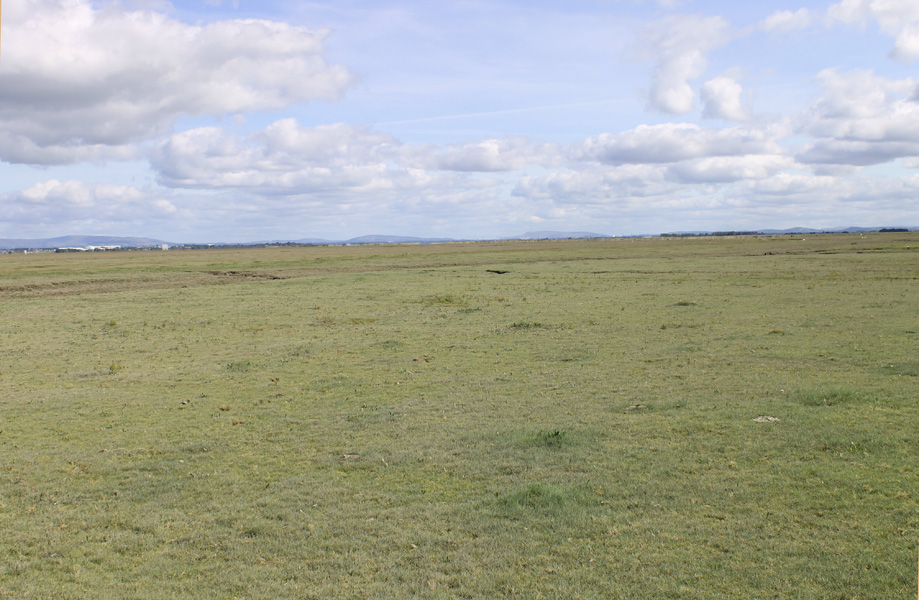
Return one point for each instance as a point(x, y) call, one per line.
point(605, 419)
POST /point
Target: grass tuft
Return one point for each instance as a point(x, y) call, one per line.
point(443, 300)
point(239, 366)
point(526, 325)
point(546, 498)
point(827, 397)
point(551, 439)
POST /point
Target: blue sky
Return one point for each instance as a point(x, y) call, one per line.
point(240, 121)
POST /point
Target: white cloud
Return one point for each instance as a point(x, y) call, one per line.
point(722, 98)
point(897, 18)
point(333, 177)
point(490, 155)
point(849, 11)
point(56, 203)
point(596, 184)
point(84, 82)
point(23, 149)
point(672, 142)
point(648, 198)
point(283, 158)
point(862, 119)
point(725, 169)
point(858, 94)
point(288, 158)
point(783, 21)
point(679, 46)
point(862, 154)
point(783, 184)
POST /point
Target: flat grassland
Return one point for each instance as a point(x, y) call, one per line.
point(629, 418)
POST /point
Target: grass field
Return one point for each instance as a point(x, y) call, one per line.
point(657, 418)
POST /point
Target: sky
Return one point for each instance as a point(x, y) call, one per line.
point(239, 121)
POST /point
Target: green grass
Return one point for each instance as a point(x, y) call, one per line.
point(828, 397)
point(403, 421)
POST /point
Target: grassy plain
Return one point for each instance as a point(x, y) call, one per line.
point(662, 418)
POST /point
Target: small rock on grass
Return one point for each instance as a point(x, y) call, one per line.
point(765, 419)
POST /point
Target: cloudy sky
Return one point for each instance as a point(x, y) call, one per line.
point(238, 120)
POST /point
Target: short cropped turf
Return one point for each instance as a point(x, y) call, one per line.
point(701, 418)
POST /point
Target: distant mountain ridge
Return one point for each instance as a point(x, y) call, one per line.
point(394, 239)
point(559, 235)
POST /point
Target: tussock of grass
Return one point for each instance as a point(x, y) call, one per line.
point(239, 366)
point(550, 499)
point(554, 438)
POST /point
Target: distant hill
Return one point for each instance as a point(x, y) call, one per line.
point(313, 241)
point(394, 239)
point(558, 235)
point(81, 241)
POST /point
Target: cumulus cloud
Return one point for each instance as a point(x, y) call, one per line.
point(760, 192)
point(722, 98)
point(679, 45)
point(856, 153)
point(55, 202)
point(783, 21)
point(596, 184)
point(283, 158)
point(671, 142)
point(288, 158)
point(862, 119)
point(897, 18)
point(724, 169)
point(490, 155)
point(857, 94)
point(86, 82)
point(783, 184)
point(849, 11)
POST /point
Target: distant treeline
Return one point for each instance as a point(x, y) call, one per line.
point(733, 233)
